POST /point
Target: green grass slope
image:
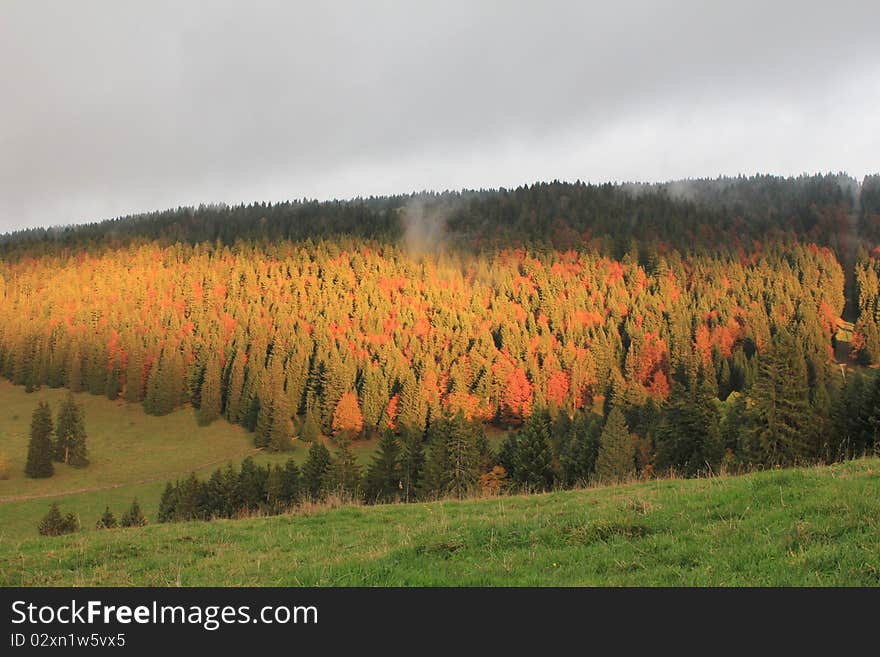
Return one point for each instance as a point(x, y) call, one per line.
point(132, 454)
point(811, 526)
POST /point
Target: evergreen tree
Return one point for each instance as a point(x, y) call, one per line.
point(134, 377)
point(780, 419)
point(412, 463)
point(851, 415)
point(374, 393)
point(383, 478)
point(113, 384)
point(190, 500)
point(507, 455)
point(578, 451)
point(413, 410)
point(251, 486)
point(70, 434)
point(275, 489)
point(235, 386)
point(74, 371)
point(533, 458)
point(311, 429)
point(296, 373)
point(344, 473)
point(133, 517)
point(291, 489)
point(616, 459)
point(263, 427)
point(168, 502)
point(40, 448)
point(688, 437)
point(217, 496)
point(95, 375)
point(282, 425)
point(210, 396)
point(54, 524)
point(107, 520)
point(165, 384)
point(733, 412)
point(314, 470)
point(452, 462)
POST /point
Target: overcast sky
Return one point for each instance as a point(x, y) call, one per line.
point(108, 108)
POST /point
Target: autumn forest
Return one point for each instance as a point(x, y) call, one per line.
point(613, 331)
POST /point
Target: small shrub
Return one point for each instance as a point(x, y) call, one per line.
point(107, 520)
point(134, 517)
point(54, 524)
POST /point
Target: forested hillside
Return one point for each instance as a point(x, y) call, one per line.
point(705, 312)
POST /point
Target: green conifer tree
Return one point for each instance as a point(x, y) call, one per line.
point(292, 482)
point(70, 434)
point(107, 520)
point(688, 436)
point(54, 524)
point(383, 479)
point(412, 463)
point(344, 473)
point(134, 373)
point(616, 459)
point(168, 502)
point(281, 430)
point(453, 458)
point(275, 490)
point(534, 457)
point(780, 418)
point(133, 517)
point(40, 448)
point(311, 428)
point(234, 389)
point(113, 384)
point(314, 470)
point(210, 395)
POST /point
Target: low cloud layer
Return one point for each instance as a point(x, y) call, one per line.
point(111, 108)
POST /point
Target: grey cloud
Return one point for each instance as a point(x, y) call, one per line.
point(116, 107)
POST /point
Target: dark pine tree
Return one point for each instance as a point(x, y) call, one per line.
point(616, 458)
point(275, 489)
point(40, 448)
point(291, 491)
point(54, 524)
point(412, 463)
point(168, 502)
point(781, 424)
point(314, 470)
point(344, 473)
point(133, 517)
point(688, 437)
point(533, 457)
point(70, 434)
point(107, 520)
point(383, 478)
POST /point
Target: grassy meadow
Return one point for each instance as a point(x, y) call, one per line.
point(810, 526)
point(132, 454)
